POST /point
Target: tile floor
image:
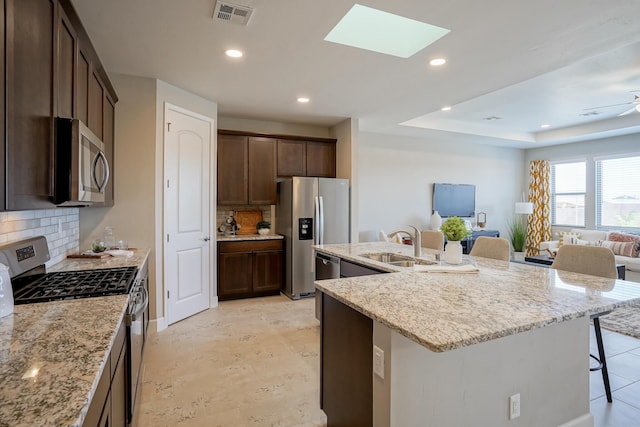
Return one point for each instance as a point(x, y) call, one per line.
point(255, 362)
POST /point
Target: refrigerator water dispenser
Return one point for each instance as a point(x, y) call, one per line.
point(305, 228)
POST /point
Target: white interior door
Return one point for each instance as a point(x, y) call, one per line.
point(187, 245)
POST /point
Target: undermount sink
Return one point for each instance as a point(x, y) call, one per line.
point(397, 260)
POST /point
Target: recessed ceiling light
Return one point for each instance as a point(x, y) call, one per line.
point(233, 53)
point(446, 108)
point(371, 29)
point(437, 62)
point(545, 126)
point(303, 100)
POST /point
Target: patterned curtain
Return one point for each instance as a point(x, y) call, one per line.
point(539, 229)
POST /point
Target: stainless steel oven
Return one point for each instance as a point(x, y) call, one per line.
point(81, 171)
point(137, 322)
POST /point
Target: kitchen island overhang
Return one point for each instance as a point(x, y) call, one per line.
point(510, 328)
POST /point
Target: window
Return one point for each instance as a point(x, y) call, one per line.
point(618, 193)
point(568, 187)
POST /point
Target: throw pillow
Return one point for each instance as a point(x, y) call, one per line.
point(586, 243)
point(615, 236)
point(620, 248)
point(567, 238)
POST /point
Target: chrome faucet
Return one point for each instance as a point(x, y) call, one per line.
point(417, 239)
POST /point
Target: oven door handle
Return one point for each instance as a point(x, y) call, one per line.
point(140, 308)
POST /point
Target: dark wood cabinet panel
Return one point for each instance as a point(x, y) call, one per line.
point(346, 365)
point(267, 271)
point(235, 274)
point(249, 268)
point(96, 105)
point(292, 158)
point(83, 88)
point(233, 173)
point(29, 96)
point(119, 392)
point(65, 66)
point(262, 171)
point(321, 159)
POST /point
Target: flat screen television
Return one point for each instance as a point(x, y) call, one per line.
point(454, 199)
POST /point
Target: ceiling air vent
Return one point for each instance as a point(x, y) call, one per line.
point(233, 13)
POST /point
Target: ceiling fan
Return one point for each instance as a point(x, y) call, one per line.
point(635, 103)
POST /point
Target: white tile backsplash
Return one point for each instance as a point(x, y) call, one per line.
point(60, 226)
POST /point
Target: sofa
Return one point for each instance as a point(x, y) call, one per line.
point(601, 238)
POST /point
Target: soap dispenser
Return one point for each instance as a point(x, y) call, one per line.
point(6, 292)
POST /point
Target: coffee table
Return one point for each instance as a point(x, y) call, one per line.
point(545, 260)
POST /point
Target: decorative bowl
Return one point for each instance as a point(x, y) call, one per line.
point(98, 246)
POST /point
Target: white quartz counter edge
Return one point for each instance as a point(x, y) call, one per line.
point(503, 299)
point(52, 355)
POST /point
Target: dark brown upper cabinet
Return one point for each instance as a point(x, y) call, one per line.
point(52, 71)
point(246, 170)
point(262, 171)
point(29, 89)
point(321, 159)
point(233, 170)
point(292, 158)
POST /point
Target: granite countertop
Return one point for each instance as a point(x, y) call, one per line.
point(52, 354)
point(445, 311)
point(241, 237)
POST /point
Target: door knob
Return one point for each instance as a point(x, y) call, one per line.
point(206, 239)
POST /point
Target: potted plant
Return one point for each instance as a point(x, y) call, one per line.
point(263, 227)
point(518, 237)
point(454, 230)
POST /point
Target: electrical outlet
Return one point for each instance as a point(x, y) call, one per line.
point(514, 406)
point(378, 361)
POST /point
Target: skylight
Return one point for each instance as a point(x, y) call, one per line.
point(383, 32)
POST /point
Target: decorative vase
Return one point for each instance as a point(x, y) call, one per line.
point(518, 256)
point(436, 221)
point(263, 231)
point(453, 252)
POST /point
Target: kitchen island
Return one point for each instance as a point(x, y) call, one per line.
point(456, 346)
point(53, 354)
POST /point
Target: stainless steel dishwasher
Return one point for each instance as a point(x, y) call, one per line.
point(327, 267)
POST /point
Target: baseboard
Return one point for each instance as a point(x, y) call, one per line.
point(160, 324)
point(214, 301)
point(585, 420)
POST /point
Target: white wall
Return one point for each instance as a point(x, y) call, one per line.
point(271, 127)
point(132, 216)
point(589, 151)
point(137, 213)
point(396, 176)
point(346, 133)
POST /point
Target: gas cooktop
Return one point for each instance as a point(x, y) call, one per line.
point(64, 285)
point(31, 283)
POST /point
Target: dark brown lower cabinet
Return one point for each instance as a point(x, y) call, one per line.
point(249, 268)
point(346, 365)
point(108, 407)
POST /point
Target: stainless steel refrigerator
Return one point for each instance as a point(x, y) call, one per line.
point(310, 211)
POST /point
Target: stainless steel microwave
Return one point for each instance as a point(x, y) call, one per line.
point(81, 170)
